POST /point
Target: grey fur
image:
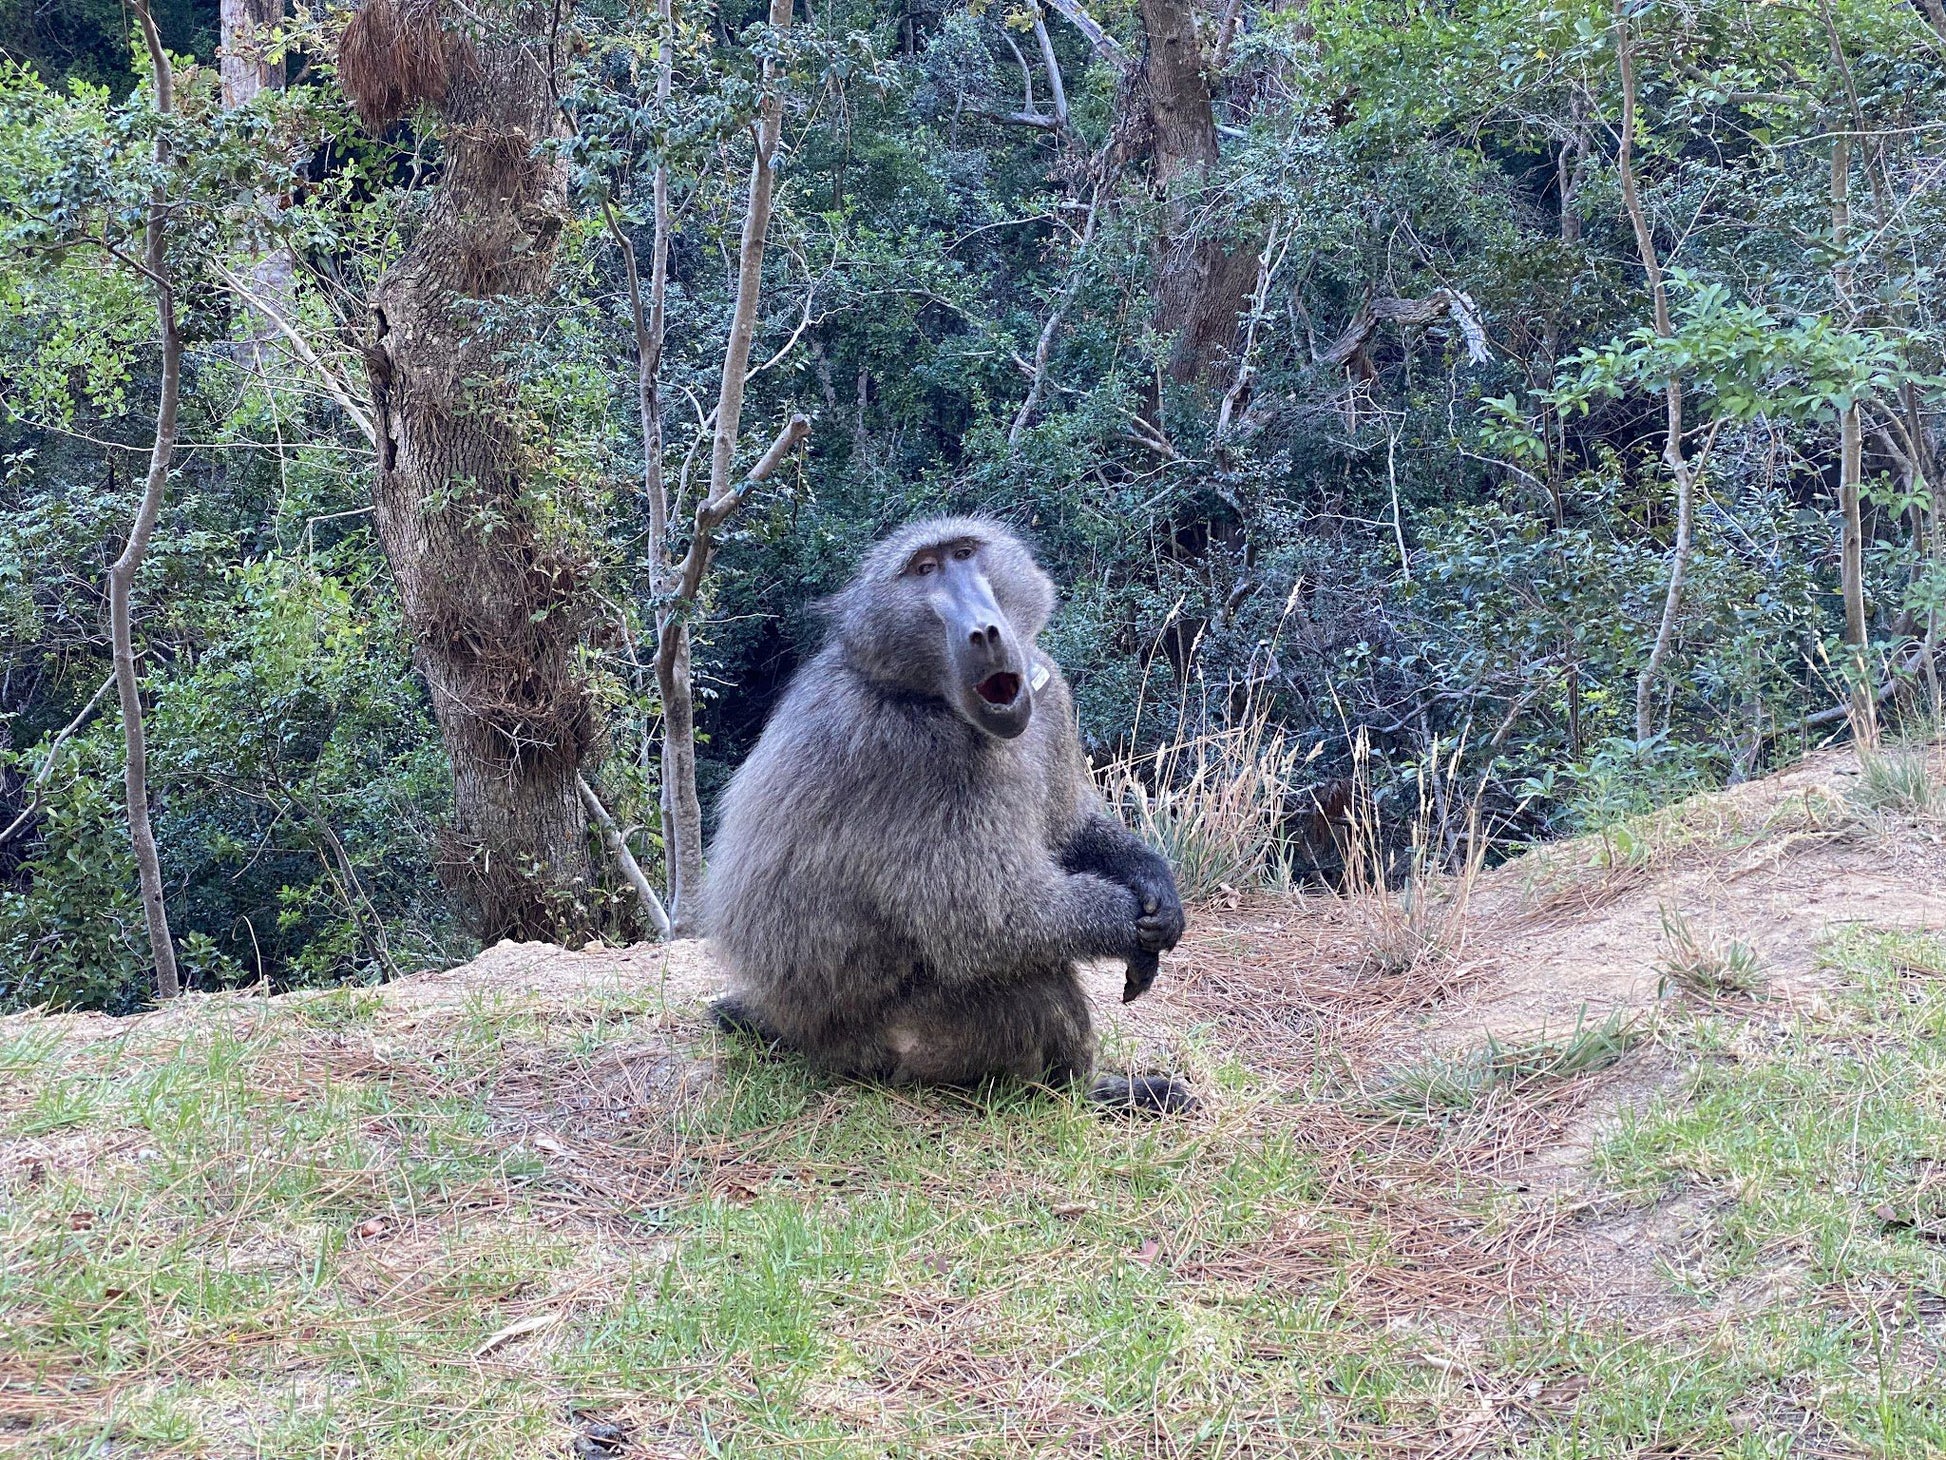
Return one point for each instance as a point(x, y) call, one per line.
point(902, 894)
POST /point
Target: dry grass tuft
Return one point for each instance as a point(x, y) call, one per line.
point(1214, 805)
point(1704, 964)
point(1420, 925)
point(1899, 780)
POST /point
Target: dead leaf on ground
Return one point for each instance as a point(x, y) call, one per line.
point(533, 1323)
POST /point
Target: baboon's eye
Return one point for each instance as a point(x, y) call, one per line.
point(925, 566)
point(962, 553)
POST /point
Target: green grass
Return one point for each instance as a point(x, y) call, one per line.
point(1819, 1143)
point(285, 1229)
point(1898, 779)
point(1459, 1083)
point(1808, 1125)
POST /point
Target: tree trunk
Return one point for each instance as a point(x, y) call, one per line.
point(1201, 283)
point(682, 829)
point(121, 577)
point(495, 603)
point(245, 72)
point(1851, 465)
point(1851, 570)
point(1673, 454)
point(650, 320)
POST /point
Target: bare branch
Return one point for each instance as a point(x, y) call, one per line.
point(1411, 312)
point(1037, 372)
point(1027, 106)
point(1268, 262)
point(1106, 46)
point(1036, 120)
point(47, 766)
point(1151, 438)
point(750, 263)
point(333, 383)
point(1057, 91)
point(624, 858)
point(683, 818)
point(712, 514)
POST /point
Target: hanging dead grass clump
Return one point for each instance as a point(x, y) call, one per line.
point(395, 54)
point(1410, 905)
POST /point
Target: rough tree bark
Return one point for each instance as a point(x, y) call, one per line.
point(1202, 282)
point(121, 577)
point(241, 64)
point(496, 606)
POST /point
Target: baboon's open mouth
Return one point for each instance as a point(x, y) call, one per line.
point(999, 689)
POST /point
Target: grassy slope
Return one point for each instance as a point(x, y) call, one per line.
point(509, 1226)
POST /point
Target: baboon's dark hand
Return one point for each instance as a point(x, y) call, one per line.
point(1159, 926)
point(1142, 969)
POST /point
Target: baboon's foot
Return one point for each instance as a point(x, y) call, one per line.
point(1142, 1095)
point(733, 1016)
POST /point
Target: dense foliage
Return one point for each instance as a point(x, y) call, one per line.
point(1424, 494)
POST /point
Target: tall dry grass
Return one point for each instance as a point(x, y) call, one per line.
point(1224, 805)
point(1410, 904)
point(1214, 804)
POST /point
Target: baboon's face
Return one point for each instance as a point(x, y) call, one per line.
point(983, 660)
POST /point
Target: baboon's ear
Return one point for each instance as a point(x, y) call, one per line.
point(1024, 591)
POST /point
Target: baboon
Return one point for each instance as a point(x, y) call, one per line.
point(911, 862)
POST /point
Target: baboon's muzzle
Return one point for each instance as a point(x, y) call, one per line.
point(986, 662)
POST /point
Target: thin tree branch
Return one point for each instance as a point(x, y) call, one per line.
point(1027, 104)
point(333, 383)
point(1106, 46)
point(47, 766)
point(121, 576)
point(750, 263)
point(1672, 448)
point(624, 858)
point(1268, 262)
point(1057, 91)
point(1043, 348)
point(682, 830)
